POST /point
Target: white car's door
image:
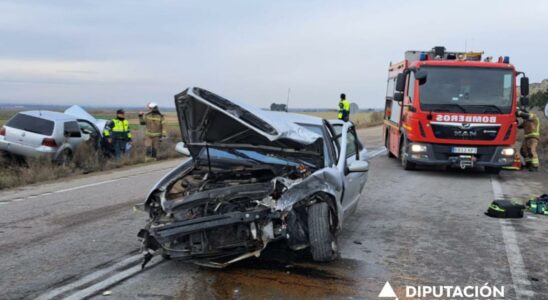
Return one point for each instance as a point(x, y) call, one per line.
point(351, 149)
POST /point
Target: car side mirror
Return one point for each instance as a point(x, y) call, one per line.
point(181, 148)
point(524, 86)
point(358, 166)
point(87, 131)
point(546, 111)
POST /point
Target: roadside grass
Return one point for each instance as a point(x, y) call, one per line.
point(17, 172)
point(361, 119)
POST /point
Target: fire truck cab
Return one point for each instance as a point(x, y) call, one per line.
point(452, 109)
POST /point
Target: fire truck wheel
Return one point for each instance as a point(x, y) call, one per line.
point(407, 165)
point(492, 170)
point(387, 145)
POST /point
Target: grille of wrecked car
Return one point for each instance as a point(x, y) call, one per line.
point(220, 213)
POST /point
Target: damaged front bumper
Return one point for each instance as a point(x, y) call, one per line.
point(216, 240)
point(221, 226)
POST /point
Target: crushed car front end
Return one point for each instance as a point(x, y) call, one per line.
point(250, 179)
point(216, 213)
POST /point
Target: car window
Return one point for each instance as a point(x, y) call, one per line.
point(351, 143)
point(86, 126)
point(31, 124)
point(318, 130)
point(72, 129)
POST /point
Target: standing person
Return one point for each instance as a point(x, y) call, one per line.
point(344, 109)
point(118, 134)
point(531, 130)
point(155, 129)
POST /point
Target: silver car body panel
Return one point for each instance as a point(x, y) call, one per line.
point(29, 144)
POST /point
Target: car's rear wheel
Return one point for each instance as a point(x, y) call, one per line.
point(321, 233)
point(406, 165)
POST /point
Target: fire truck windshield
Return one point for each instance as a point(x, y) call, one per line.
point(469, 90)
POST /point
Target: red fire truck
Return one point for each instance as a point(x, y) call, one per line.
point(452, 109)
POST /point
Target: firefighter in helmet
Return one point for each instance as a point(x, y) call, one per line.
point(155, 129)
point(531, 130)
point(344, 108)
point(118, 134)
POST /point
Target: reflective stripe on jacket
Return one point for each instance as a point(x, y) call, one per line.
point(531, 126)
point(344, 110)
point(118, 129)
point(155, 124)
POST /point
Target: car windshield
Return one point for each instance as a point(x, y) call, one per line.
point(31, 124)
point(467, 90)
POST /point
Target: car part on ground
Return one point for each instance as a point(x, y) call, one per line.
point(254, 177)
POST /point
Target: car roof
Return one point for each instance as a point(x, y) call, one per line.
point(49, 115)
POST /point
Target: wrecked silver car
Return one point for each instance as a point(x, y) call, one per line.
point(254, 177)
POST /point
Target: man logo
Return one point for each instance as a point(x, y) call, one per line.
point(388, 292)
point(466, 125)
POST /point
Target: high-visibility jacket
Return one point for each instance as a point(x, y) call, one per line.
point(344, 110)
point(155, 124)
point(531, 126)
point(117, 129)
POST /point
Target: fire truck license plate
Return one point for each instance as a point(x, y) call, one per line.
point(464, 150)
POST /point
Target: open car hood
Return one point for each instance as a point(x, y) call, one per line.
point(208, 119)
point(81, 114)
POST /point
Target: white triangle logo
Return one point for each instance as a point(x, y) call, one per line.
point(387, 291)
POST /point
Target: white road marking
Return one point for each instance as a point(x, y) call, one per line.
point(87, 185)
point(96, 288)
point(520, 279)
point(89, 278)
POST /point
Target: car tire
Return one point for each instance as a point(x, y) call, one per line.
point(321, 234)
point(387, 145)
point(64, 158)
point(492, 170)
point(406, 165)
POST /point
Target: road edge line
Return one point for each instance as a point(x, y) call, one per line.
point(518, 271)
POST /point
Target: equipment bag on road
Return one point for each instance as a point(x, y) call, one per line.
point(538, 205)
point(505, 209)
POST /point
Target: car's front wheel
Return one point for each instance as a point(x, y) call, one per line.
point(321, 233)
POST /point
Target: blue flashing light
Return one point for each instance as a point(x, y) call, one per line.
point(506, 60)
point(423, 56)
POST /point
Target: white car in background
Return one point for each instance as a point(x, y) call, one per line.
point(52, 134)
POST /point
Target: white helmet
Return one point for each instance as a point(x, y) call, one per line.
point(152, 105)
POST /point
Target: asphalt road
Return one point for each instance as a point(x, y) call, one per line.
point(77, 239)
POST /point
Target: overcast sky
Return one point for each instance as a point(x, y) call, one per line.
point(131, 52)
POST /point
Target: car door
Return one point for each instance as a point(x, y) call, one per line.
point(72, 134)
point(351, 149)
